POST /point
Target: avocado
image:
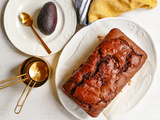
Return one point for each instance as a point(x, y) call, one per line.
point(47, 18)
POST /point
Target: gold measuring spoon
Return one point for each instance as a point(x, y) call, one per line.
point(34, 72)
point(26, 19)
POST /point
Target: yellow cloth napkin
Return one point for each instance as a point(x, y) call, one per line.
point(112, 8)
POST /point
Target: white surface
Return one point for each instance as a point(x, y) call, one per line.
point(43, 102)
point(24, 39)
point(80, 47)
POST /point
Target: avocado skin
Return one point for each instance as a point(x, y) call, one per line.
point(47, 18)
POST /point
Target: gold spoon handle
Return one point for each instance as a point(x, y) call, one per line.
point(3, 85)
point(43, 43)
point(19, 106)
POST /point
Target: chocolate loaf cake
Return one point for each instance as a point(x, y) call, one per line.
point(105, 72)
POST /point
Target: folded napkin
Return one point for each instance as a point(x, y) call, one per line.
point(89, 11)
point(82, 7)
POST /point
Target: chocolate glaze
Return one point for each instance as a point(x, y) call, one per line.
point(105, 72)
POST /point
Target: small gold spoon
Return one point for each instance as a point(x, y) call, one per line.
point(26, 19)
point(34, 72)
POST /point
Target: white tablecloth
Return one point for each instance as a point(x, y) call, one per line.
point(43, 102)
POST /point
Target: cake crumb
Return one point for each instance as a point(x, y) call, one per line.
point(100, 38)
point(129, 83)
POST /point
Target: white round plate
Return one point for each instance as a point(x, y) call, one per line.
point(83, 43)
point(24, 39)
